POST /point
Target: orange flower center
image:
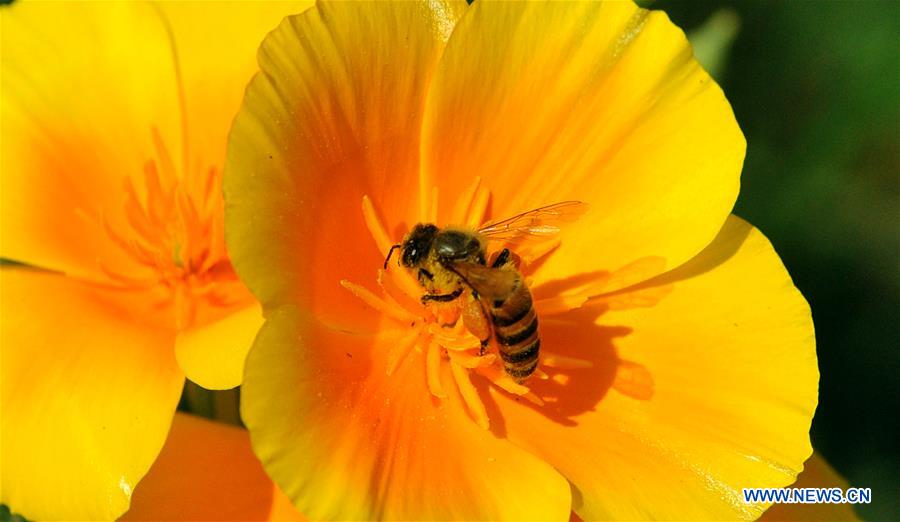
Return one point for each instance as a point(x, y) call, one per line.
point(434, 329)
point(171, 231)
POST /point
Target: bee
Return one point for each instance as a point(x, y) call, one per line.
point(451, 263)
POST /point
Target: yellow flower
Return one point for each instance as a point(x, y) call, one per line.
point(114, 121)
point(677, 361)
point(207, 471)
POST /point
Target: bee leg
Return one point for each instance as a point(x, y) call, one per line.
point(504, 258)
point(501, 259)
point(476, 320)
point(424, 276)
point(443, 298)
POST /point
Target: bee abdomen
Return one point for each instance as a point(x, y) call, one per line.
point(516, 331)
point(507, 338)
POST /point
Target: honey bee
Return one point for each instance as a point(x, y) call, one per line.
point(451, 263)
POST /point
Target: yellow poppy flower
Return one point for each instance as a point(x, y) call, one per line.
point(677, 363)
point(114, 121)
point(207, 471)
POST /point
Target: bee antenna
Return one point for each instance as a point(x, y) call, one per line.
point(390, 252)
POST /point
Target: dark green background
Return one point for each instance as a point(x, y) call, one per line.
point(816, 89)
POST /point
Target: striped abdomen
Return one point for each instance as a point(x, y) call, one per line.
point(516, 331)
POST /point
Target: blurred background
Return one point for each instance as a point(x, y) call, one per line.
point(815, 87)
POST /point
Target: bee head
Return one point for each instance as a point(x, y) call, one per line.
point(417, 244)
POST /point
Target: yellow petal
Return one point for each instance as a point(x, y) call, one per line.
point(817, 473)
point(709, 390)
point(334, 113)
point(216, 44)
point(73, 131)
point(347, 442)
point(213, 355)
point(207, 471)
point(87, 398)
point(594, 101)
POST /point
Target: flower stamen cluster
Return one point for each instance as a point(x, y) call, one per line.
point(172, 234)
point(434, 329)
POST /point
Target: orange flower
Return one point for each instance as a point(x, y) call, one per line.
point(206, 471)
point(677, 361)
point(114, 122)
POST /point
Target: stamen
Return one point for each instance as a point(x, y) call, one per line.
point(390, 288)
point(132, 248)
point(166, 165)
point(394, 310)
point(468, 360)
point(157, 199)
point(433, 370)
point(436, 331)
point(503, 381)
point(559, 304)
point(401, 281)
point(470, 395)
point(384, 243)
point(376, 229)
point(397, 354)
point(533, 398)
point(561, 378)
point(564, 363)
point(216, 243)
point(136, 214)
point(454, 342)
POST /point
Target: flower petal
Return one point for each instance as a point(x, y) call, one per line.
point(72, 132)
point(216, 51)
point(207, 471)
point(817, 473)
point(213, 355)
point(711, 389)
point(334, 114)
point(75, 131)
point(87, 398)
point(345, 441)
point(594, 101)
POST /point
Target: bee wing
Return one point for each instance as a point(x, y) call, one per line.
point(539, 223)
point(490, 283)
